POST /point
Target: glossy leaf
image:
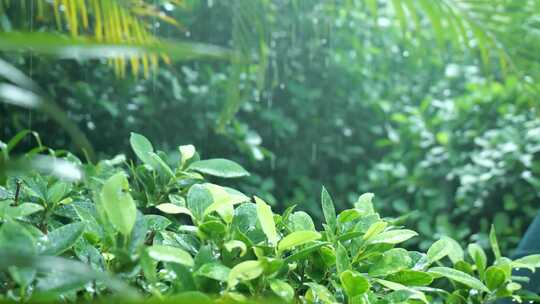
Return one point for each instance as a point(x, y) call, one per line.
point(393, 236)
point(282, 289)
point(411, 278)
point(198, 199)
point(266, 218)
point(531, 262)
point(354, 283)
point(63, 238)
point(235, 244)
point(300, 221)
point(170, 254)
point(142, 148)
point(244, 271)
point(329, 211)
point(479, 257)
point(297, 238)
point(118, 203)
point(438, 250)
point(494, 243)
point(14, 238)
point(173, 209)
point(219, 167)
point(215, 271)
point(391, 261)
point(342, 259)
point(459, 277)
point(495, 277)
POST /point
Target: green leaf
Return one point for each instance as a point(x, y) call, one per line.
point(231, 245)
point(342, 259)
point(329, 211)
point(63, 238)
point(303, 253)
point(14, 238)
point(374, 230)
point(365, 203)
point(118, 203)
point(170, 254)
point(22, 276)
point(213, 229)
point(319, 293)
point(300, 221)
point(391, 261)
point(22, 210)
point(460, 277)
point(438, 250)
point(198, 199)
point(495, 277)
point(244, 271)
point(348, 215)
point(186, 153)
point(412, 293)
point(445, 247)
point(142, 148)
point(246, 221)
point(297, 238)
point(494, 243)
point(393, 236)
point(160, 165)
point(282, 289)
point(455, 253)
point(173, 209)
point(224, 200)
point(57, 192)
point(215, 271)
point(411, 278)
point(530, 262)
point(354, 283)
point(266, 218)
point(219, 167)
point(156, 222)
point(479, 257)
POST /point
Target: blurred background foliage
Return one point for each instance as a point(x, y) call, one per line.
point(430, 104)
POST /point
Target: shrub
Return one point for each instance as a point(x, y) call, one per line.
point(459, 160)
point(164, 231)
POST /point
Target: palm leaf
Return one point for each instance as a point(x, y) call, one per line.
point(104, 21)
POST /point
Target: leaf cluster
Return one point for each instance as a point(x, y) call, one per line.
point(161, 229)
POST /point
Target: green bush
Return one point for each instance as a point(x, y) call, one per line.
point(160, 229)
point(465, 162)
point(346, 102)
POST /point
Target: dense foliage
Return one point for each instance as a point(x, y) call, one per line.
point(432, 105)
point(345, 99)
point(160, 229)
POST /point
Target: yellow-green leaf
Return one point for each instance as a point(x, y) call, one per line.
point(298, 238)
point(266, 218)
point(118, 203)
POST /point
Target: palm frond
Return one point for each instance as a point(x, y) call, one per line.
point(501, 31)
point(105, 21)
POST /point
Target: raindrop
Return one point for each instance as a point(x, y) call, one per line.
point(383, 22)
point(91, 125)
point(168, 6)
